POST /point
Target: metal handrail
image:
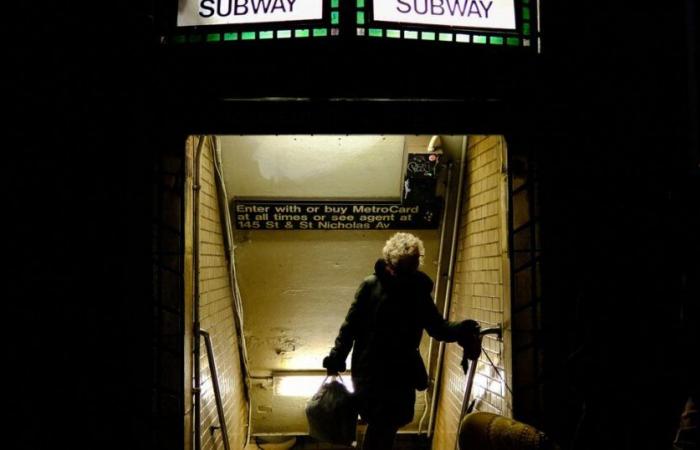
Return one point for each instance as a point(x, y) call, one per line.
point(215, 383)
point(498, 331)
point(471, 372)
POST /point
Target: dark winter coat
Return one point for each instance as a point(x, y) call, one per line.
point(384, 326)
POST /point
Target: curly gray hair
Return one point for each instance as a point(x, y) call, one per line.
point(402, 245)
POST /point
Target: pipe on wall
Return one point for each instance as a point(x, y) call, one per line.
point(195, 313)
point(233, 279)
point(441, 246)
point(450, 274)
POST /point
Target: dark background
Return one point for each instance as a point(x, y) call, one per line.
point(609, 111)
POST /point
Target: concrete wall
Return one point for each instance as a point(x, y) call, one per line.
point(480, 289)
point(297, 285)
point(216, 317)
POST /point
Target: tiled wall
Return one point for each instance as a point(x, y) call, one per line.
point(216, 317)
point(480, 289)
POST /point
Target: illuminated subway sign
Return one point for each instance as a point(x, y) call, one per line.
point(492, 14)
point(218, 12)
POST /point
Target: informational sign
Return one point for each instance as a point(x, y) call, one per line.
point(220, 12)
point(490, 14)
point(249, 215)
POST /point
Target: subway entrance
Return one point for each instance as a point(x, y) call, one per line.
point(282, 228)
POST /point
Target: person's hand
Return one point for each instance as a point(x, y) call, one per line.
point(469, 338)
point(469, 328)
point(332, 366)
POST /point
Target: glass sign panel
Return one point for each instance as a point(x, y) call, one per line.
point(222, 12)
point(491, 14)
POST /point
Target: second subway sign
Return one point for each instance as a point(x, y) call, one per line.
point(263, 215)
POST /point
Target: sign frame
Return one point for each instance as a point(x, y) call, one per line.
point(525, 34)
point(356, 23)
point(327, 26)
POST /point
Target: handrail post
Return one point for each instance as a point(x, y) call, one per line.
point(215, 383)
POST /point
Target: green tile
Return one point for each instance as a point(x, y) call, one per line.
point(446, 37)
point(334, 3)
point(496, 40)
point(375, 32)
point(526, 28)
point(360, 17)
point(393, 34)
point(513, 41)
point(410, 34)
point(248, 35)
point(462, 38)
point(427, 36)
point(335, 17)
point(526, 13)
point(195, 38)
point(478, 39)
point(301, 33)
point(230, 36)
point(320, 32)
point(267, 34)
point(180, 39)
point(284, 34)
point(360, 3)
